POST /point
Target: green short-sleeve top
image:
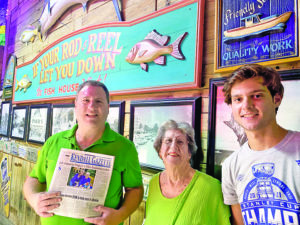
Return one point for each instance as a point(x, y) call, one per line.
point(126, 170)
point(201, 203)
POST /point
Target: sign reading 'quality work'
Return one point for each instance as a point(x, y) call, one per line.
point(253, 31)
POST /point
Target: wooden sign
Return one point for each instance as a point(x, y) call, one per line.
point(9, 77)
point(159, 52)
point(255, 31)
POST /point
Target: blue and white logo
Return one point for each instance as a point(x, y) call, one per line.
point(267, 200)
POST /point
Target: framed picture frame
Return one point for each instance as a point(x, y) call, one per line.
point(62, 117)
point(5, 118)
point(116, 116)
point(39, 120)
point(19, 122)
point(147, 116)
point(225, 136)
point(255, 32)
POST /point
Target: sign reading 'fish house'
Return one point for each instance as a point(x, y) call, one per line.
point(162, 51)
point(254, 31)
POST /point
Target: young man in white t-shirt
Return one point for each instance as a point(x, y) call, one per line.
point(261, 181)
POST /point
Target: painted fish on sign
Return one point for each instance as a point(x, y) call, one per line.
point(24, 83)
point(29, 34)
point(153, 49)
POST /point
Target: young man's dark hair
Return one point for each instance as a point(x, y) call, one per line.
point(271, 79)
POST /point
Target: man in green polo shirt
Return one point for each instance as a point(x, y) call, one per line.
point(92, 134)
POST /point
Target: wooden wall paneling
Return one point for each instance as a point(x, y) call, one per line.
point(162, 3)
point(95, 4)
point(29, 9)
point(136, 9)
point(31, 217)
point(138, 216)
point(127, 221)
point(126, 122)
point(208, 46)
point(207, 69)
point(102, 14)
point(16, 204)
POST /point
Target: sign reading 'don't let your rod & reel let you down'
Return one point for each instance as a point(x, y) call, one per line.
point(122, 55)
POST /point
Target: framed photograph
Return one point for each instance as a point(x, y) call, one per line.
point(63, 118)
point(254, 31)
point(19, 122)
point(116, 116)
point(5, 118)
point(39, 120)
point(147, 116)
point(226, 136)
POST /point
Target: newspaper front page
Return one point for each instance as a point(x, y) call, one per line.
point(83, 179)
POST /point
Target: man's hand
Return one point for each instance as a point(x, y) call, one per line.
point(108, 216)
point(41, 202)
point(44, 202)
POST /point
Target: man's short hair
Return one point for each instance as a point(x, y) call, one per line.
point(93, 83)
point(271, 79)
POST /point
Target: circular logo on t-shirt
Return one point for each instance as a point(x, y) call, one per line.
point(267, 200)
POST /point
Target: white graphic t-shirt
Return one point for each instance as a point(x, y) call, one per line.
point(265, 183)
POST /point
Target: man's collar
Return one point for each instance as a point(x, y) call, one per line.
point(71, 133)
point(108, 134)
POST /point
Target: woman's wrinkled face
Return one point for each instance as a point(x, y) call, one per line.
point(174, 148)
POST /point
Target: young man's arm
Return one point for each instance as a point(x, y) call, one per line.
point(237, 218)
point(40, 201)
point(109, 216)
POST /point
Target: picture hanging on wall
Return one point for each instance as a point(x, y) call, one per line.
point(39, 120)
point(226, 136)
point(19, 122)
point(116, 116)
point(147, 116)
point(63, 118)
point(255, 31)
point(9, 77)
point(5, 118)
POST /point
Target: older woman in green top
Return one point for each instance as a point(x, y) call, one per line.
point(180, 195)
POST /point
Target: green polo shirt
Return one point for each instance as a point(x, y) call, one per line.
point(126, 171)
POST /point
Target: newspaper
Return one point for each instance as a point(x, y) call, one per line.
point(83, 179)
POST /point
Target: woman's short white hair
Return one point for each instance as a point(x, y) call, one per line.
point(183, 127)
